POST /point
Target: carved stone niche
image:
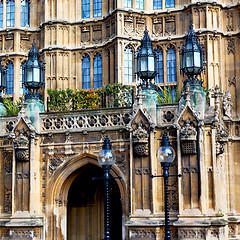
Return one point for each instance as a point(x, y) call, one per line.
point(140, 140)
point(21, 145)
point(188, 137)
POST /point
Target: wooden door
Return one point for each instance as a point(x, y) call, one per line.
point(86, 207)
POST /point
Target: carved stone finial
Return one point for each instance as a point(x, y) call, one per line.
point(227, 104)
point(21, 145)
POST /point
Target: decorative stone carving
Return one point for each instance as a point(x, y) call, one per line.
point(142, 171)
point(188, 136)
point(121, 161)
point(85, 34)
point(230, 46)
point(158, 26)
point(97, 33)
point(7, 200)
point(8, 46)
point(191, 233)
point(54, 163)
point(229, 26)
point(232, 81)
point(113, 27)
point(108, 30)
point(140, 140)
point(227, 104)
point(128, 24)
point(140, 25)
point(21, 145)
point(85, 121)
point(170, 25)
point(142, 233)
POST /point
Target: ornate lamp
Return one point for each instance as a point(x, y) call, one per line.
point(3, 80)
point(192, 56)
point(166, 155)
point(33, 72)
point(146, 60)
point(106, 159)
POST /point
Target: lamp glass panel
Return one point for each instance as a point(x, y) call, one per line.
point(189, 59)
point(151, 64)
point(166, 154)
point(197, 59)
point(144, 63)
point(1, 80)
point(29, 75)
point(36, 74)
point(106, 157)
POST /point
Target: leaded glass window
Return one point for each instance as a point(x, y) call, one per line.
point(1, 14)
point(10, 13)
point(97, 8)
point(171, 65)
point(157, 4)
point(25, 13)
point(159, 76)
point(23, 89)
point(85, 8)
point(128, 3)
point(139, 4)
point(86, 72)
point(170, 3)
point(9, 73)
point(128, 65)
point(97, 71)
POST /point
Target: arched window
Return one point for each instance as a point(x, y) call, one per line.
point(139, 4)
point(170, 3)
point(85, 8)
point(1, 14)
point(97, 8)
point(86, 72)
point(128, 3)
point(128, 65)
point(171, 65)
point(9, 73)
point(10, 13)
point(159, 76)
point(157, 4)
point(97, 71)
point(23, 89)
point(25, 13)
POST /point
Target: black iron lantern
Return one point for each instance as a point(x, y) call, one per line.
point(192, 55)
point(146, 60)
point(3, 80)
point(33, 70)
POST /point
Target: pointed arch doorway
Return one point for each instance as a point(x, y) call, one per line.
point(85, 208)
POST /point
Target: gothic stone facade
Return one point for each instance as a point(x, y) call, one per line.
point(40, 163)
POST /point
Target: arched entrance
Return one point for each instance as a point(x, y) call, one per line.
point(85, 207)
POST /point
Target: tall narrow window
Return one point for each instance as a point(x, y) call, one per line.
point(170, 3)
point(109, 66)
point(139, 4)
point(128, 3)
point(10, 13)
point(128, 65)
point(114, 66)
point(23, 89)
point(159, 76)
point(86, 72)
point(25, 13)
point(1, 14)
point(157, 4)
point(9, 88)
point(171, 65)
point(85, 8)
point(97, 8)
point(97, 71)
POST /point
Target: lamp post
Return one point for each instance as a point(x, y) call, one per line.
point(192, 57)
point(146, 61)
point(33, 72)
point(106, 159)
point(166, 155)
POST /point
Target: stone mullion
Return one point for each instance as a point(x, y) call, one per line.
point(180, 182)
point(17, 19)
point(165, 65)
point(16, 78)
point(4, 14)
